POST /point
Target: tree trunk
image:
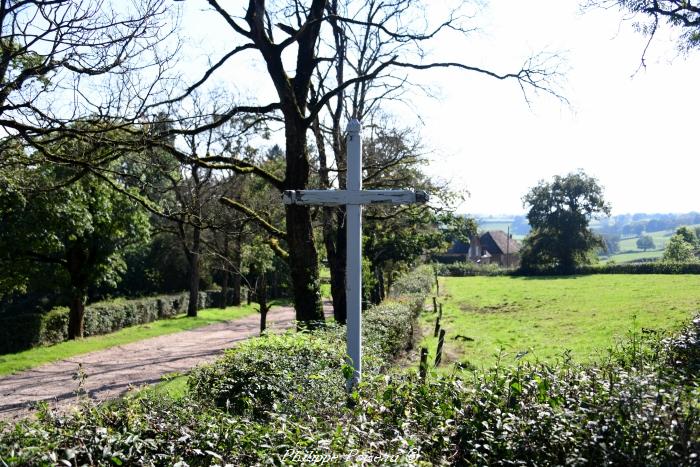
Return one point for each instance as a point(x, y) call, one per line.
point(303, 263)
point(335, 241)
point(76, 316)
point(333, 231)
point(303, 258)
point(236, 279)
point(261, 293)
point(193, 305)
point(224, 288)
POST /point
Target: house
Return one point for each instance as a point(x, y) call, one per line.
point(494, 247)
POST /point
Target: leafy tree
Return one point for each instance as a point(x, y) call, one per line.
point(82, 229)
point(679, 250)
point(559, 213)
point(688, 235)
point(646, 242)
point(612, 243)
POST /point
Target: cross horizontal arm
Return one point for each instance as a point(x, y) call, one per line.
point(341, 197)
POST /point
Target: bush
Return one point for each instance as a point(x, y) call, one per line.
point(631, 410)
point(301, 372)
point(24, 331)
point(420, 281)
point(658, 267)
point(469, 268)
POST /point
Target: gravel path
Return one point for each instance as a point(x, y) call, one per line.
point(113, 371)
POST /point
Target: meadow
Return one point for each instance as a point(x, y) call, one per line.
point(488, 319)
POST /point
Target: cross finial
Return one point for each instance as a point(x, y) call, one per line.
point(354, 127)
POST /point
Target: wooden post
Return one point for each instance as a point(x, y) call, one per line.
point(437, 282)
point(437, 326)
point(423, 368)
point(441, 342)
point(434, 304)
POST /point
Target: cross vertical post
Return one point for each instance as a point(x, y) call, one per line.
point(353, 198)
point(353, 270)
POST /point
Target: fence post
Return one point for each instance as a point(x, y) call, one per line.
point(435, 305)
point(423, 368)
point(441, 342)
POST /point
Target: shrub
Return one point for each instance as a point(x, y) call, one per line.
point(657, 267)
point(419, 281)
point(469, 268)
point(301, 372)
point(631, 410)
point(23, 331)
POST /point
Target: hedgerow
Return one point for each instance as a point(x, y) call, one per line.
point(26, 330)
point(638, 407)
point(469, 268)
point(658, 267)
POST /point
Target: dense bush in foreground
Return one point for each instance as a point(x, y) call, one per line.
point(278, 400)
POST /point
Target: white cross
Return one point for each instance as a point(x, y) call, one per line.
point(354, 197)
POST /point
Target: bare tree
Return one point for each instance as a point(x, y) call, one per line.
point(297, 42)
point(682, 14)
point(381, 43)
point(62, 60)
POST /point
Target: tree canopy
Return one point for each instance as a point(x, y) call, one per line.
point(78, 229)
point(560, 212)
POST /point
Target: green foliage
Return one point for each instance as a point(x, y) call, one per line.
point(470, 268)
point(646, 242)
point(457, 228)
point(636, 408)
point(689, 235)
point(81, 227)
point(560, 213)
point(23, 331)
point(680, 250)
point(642, 268)
point(630, 410)
point(264, 376)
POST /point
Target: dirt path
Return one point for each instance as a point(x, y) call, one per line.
point(112, 372)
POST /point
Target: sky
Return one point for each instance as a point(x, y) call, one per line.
point(633, 129)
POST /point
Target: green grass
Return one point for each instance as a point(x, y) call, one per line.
point(630, 252)
point(547, 316)
point(12, 363)
point(635, 256)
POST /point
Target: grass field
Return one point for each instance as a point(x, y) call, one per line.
point(547, 316)
point(31, 358)
point(630, 252)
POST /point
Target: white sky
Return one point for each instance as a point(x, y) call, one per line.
point(636, 134)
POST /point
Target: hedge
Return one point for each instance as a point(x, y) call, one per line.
point(469, 268)
point(27, 330)
point(282, 372)
point(659, 267)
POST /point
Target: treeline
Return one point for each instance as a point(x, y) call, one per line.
point(633, 225)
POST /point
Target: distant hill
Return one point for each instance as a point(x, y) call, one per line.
point(621, 231)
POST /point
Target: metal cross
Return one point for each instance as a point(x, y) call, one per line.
point(354, 197)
